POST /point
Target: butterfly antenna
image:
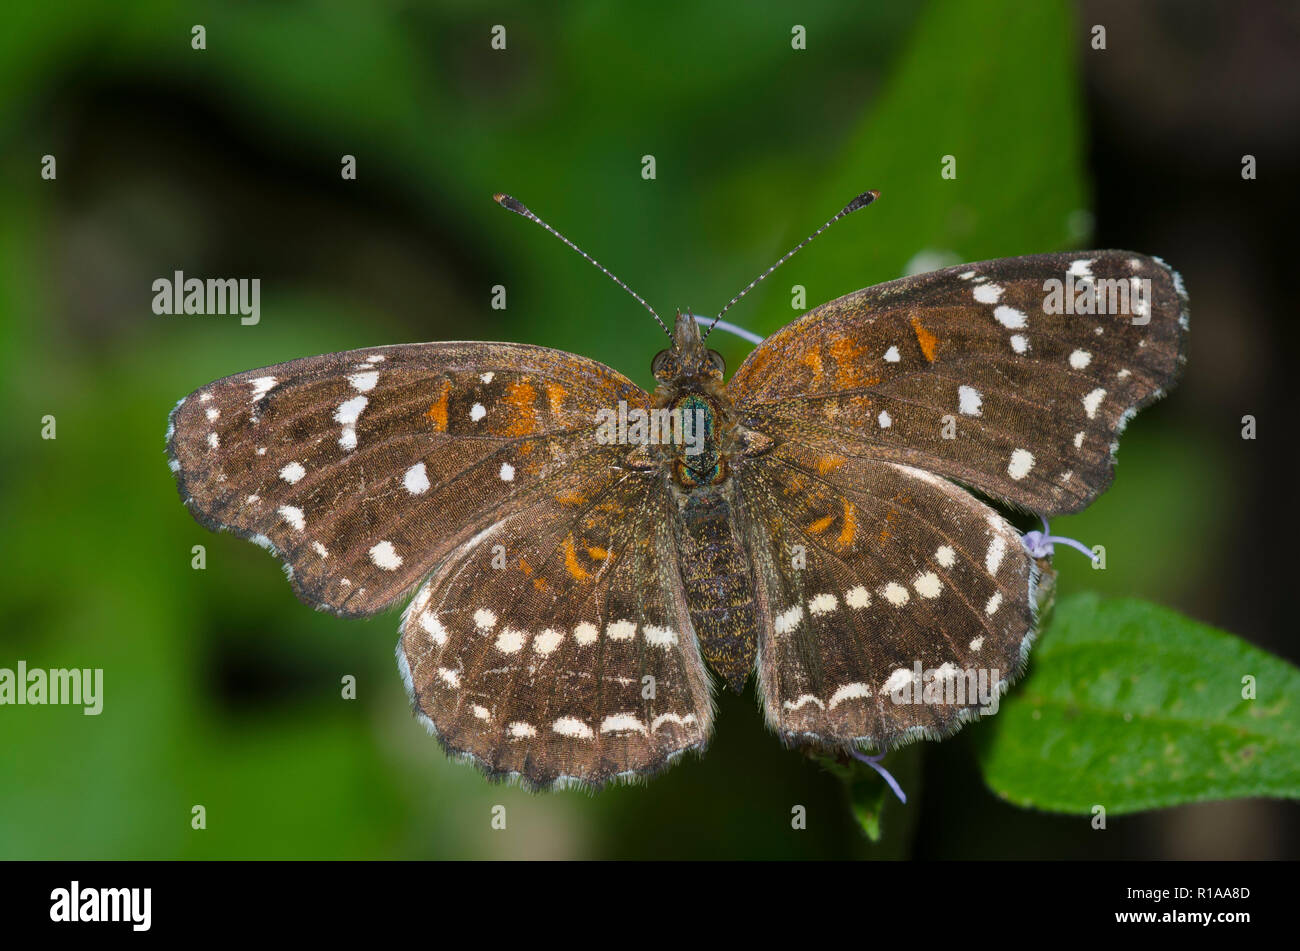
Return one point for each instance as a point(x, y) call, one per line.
point(519, 208)
point(861, 201)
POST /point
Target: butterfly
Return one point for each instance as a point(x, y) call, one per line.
point(814, 524)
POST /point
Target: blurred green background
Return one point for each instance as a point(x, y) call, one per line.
point(223, 690)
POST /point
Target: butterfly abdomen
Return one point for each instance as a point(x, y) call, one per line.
point(718, 580)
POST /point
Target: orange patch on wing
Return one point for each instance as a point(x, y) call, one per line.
point(850, 364)
point(850, 527)
point(522, 418)
point(927, 340)
point(525, 568)
point(540, 584)
point(555, 395)
point(813, 360)
point(571, 561)
point(437, 413)
point(829, 463)
point(819, 526)
point(571, 498)
point(597, 553)
point(757, 363)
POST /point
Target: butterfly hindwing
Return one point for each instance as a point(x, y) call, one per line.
point(362, 470)
point(557, 647)
point(864, 570)
point(965, 373)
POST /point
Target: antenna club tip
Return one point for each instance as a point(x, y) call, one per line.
point(861, 201)
point(505, 201)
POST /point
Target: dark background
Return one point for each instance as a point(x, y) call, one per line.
point(223, 690)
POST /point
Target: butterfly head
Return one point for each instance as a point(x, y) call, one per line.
point(688, 358)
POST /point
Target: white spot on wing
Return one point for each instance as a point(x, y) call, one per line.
point(677, 718)
point(292, 472)
point(849, 692)
point(1080, 359)
point(996, 551)
point(507, 472)
point(416, 479)
point(510, 641)
point(1022, 460)
point(788, 620)
point(891, 355)
point(572, 727)
point(261, 386)
point(385, 556)
point(898, 680)
point(433, 627)
point(659, 636)
point(822, 604)
point(928, 585)
point(1092, 401)
point(346, 415)
point(622, 723)
point(621, 630)
point(988, 293)
point(945, 556)
point(1009, 317)
point(803, 701)
point(477, 412)
point(896, 594)
point(969, 400)
point(547, 641)
point(364, 382)
point(858, 597)
point(293, 515)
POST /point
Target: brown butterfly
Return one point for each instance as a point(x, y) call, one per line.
point(580, 548)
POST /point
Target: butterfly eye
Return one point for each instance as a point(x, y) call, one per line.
point(663, 364)
point(717, 362)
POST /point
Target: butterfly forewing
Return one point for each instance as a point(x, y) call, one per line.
point(557, 646)
point(362, 470)
point(872, 576)
point(970, 373)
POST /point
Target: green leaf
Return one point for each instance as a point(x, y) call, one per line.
point(1131, 706)
point(886, 822)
